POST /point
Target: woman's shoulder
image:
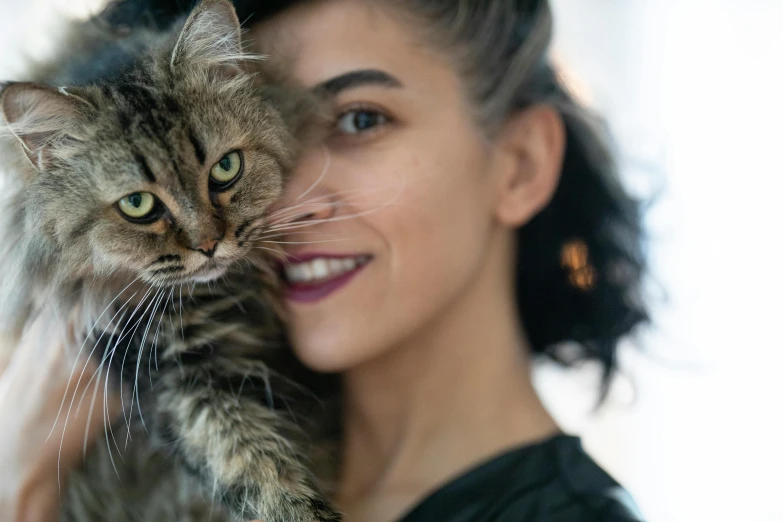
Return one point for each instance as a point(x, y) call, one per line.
point(554, 480)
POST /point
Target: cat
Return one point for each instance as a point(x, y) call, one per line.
point(135, 212)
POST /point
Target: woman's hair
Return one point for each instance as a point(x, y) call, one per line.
point(580, 261)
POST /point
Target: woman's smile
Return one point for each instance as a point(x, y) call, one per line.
point(311, 277)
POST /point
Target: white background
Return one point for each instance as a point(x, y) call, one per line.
point(694, 92)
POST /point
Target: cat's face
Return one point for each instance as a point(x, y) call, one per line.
point(172, 185)
point(165, 173)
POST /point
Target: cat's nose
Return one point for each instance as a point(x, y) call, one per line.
point(208, 247)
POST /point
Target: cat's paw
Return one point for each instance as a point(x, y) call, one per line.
point(270, 509)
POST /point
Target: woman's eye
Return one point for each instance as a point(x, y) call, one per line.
point(358, 121)
point(226, 171)
point(139, 206)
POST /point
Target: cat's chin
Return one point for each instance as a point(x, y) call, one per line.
point(205, 274)
point(208, 274)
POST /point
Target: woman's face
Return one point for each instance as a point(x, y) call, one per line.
point(405, 215)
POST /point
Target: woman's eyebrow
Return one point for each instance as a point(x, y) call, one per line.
point(354, 79)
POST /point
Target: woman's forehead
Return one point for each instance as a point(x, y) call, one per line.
point(323, 40)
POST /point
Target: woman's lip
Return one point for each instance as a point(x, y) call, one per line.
point(312, 292)
point(309, 256)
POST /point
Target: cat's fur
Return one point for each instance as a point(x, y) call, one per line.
point(212, 395)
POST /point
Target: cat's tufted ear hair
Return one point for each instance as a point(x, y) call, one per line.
point(43, 119)
point(210, 40)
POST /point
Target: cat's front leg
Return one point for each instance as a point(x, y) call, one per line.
point(210, 413)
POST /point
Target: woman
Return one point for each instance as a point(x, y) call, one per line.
point(483, 223)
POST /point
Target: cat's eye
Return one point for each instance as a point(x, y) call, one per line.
point(226, 171)
point(358, 121)
point(139, 207)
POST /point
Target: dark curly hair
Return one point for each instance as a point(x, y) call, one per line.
point(581, 260)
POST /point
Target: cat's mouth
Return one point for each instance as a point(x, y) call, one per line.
point(204, 274)
point(208, 273)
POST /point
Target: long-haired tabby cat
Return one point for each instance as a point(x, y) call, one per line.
point(136, 205)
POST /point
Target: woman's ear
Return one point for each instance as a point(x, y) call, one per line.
point(532, 144)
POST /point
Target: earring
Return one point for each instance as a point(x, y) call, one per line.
point(574, 259)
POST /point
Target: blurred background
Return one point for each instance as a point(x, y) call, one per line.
point(693, 90)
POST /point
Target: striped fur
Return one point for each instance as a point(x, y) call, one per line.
point(212, 395)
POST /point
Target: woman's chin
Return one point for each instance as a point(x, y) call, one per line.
point(325, 354)
point(323, 359)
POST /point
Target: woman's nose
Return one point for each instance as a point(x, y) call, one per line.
point(318, 208)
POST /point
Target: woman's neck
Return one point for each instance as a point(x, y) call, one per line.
point(429, 409)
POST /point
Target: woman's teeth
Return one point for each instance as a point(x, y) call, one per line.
point(322, 268)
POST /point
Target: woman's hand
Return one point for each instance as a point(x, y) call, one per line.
point(38, 380)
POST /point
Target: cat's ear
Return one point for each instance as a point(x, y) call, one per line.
point(44, 120)
point(210, 40)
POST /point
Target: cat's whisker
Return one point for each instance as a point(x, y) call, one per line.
point(242, 262)
point(110, 325)
point(111, 353)
point(181, 324)
point(171, 322)
point(120, 339)
point(172, 310)
point(96, 387)
point(78, 382)
point(250, 235)
point(106, 415)
point(79, 352)
point(327, 164)
point(336, 197)
point(106, 420)
point(268, 234)
point(158, 298)
point(280, 254)
point(293, 207)
point(113, 349)
point(303, 212)
point(96, 374)
point(97, 377)
point(65, 425)
point(311, 222)
point(277, 253)
point(295, 212)
point(284, 234)
point(108, 430)
point(155, 343)
point(306, 242)
point(300, 212)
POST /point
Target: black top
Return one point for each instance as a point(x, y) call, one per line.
point(552, 481)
